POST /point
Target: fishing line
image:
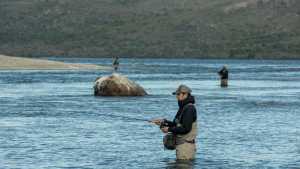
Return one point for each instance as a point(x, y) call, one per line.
point(125, 117)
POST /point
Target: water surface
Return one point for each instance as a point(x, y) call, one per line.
point(50, 119)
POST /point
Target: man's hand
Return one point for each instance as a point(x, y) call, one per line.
point(157, 121)
point(165, 129)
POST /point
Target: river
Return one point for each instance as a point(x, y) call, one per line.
point(50, 119)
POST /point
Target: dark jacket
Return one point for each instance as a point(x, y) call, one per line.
point(223, 73)
point(116, 61)
point(188, 115)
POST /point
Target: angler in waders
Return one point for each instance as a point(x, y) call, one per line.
point(184, 125)
point(223, 73)
point(115, 63)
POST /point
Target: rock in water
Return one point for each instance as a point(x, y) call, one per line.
point(117, 85)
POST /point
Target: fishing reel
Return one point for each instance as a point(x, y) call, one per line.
point(163, 124)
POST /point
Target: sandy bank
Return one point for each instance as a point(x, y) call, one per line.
point(11, 63)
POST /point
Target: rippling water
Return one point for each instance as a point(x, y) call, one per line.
point(50, 119)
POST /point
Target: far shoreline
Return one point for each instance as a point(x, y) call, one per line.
point(154, 57)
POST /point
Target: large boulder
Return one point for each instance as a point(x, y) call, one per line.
point(117, 85)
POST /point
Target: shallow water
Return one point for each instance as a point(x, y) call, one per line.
point(50, 119)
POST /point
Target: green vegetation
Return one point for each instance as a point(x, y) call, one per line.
point(151, 28)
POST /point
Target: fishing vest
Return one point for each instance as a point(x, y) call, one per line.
point(190, 136)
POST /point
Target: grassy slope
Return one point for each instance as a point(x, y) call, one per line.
point(177, 28)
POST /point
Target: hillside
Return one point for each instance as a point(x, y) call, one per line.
point(151, 28)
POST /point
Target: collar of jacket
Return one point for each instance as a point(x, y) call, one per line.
point(189, 99)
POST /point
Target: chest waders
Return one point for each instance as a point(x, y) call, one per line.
point(185, 143)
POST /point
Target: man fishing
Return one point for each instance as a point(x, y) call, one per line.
point(115, 63)
point(223, 73)
point(184, 125)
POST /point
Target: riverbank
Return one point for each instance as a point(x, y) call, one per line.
point(21, 63)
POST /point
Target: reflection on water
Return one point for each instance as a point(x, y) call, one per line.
point(50, 119)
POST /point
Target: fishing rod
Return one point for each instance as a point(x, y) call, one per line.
point(126, 117)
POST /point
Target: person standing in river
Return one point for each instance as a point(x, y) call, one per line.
point(184, 125)
point(115, 63)
point(223, 73)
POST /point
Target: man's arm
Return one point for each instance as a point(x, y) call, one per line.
point(168, 123)
point(221, 71)
point(163, 122)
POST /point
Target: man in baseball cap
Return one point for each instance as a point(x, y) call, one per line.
point(184, 125)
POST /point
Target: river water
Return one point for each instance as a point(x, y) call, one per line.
point(50, 119)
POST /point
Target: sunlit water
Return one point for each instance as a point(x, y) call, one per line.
point(50, 119)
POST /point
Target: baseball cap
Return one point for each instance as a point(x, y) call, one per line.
point(182, 89)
